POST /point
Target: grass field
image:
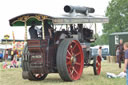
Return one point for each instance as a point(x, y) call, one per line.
point(14, 77)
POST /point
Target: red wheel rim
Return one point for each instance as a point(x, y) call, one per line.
point(98, 65)
point(74, 60)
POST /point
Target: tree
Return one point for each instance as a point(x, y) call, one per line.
point(101, 40)
point(117, 12)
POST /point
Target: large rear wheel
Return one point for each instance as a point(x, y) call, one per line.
point(70, 60)
point(97, 65)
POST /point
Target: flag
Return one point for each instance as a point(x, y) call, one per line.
point(13, 39)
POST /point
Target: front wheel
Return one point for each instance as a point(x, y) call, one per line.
point(70, 60)
point(97, 65)
point(27, 74)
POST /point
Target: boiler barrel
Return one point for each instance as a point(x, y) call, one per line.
point(78, 9)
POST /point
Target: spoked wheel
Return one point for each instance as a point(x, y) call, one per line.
point(25, 67)
point(70, 60)
point(97, 65)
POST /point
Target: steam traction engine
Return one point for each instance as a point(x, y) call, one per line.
point(66, 52)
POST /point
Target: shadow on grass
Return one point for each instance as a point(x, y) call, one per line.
point(52, 80)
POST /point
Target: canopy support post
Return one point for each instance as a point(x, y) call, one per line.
point(25, 32)
point(95, 35)
point(43, 35)
point(95, 28)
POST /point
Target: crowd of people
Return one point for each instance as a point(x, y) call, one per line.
point(4, 57)
point(122, 55)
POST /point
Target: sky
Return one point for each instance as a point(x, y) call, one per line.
point(12, 8)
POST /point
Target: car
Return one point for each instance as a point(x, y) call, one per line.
point(105, 51)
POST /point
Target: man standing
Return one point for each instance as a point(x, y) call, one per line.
point(100, 52)
point(33, 31)
point(117, 53)
point(6, 55)
point(121, 52)
point(126, 60)
point(47, 29)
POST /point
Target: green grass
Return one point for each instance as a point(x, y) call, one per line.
point(14, 77)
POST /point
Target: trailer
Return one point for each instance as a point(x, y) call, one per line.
point(114, 39)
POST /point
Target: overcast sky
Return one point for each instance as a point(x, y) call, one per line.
point(12, 8)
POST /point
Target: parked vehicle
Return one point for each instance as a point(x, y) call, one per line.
point(105, 51)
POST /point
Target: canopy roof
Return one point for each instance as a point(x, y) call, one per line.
point(65, 19)
point(28, 18)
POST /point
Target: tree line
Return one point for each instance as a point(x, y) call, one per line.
point(117, 12)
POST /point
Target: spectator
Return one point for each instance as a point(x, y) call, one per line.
point(117, 54)
point(1, 56)
point(126, 60)
point(6, 55)
point(14, 63)
point(100, 52)
point(121, 52)
point(12, 54)
point(4, 65)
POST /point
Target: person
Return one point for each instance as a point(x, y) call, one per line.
point(33, 31)
point(6, 55)
point(5, 65)
point(121, 52)
point(126, 60)
point(12, 54)
point(1, 56)
point(80, 32)
point(117, 54)
point(48, 30)
point(100, 52)
point(14, 63)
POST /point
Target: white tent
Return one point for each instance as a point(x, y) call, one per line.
point(5, 46)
